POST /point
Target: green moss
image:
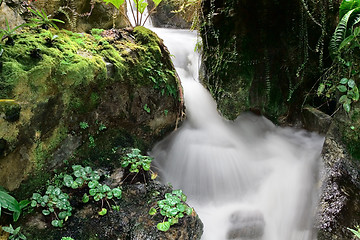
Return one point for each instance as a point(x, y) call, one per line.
point(351, 133)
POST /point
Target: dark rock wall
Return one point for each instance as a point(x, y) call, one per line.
point(262, 55)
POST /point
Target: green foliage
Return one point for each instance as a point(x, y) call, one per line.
point(173, 208)
point(116, 3)
point(84, 125)
point(67, 238)
point(9, 33)
point(344, 46)
point(355, 232)
point(54, 202)
point(348, 5)
point(137, 11)
point(10, 203)
point(147, 108)
point(14, 234)
point(136, 161)
point(43, 20)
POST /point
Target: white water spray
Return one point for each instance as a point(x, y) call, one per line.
point(247, 179)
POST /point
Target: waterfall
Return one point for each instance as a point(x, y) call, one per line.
point(247, 179)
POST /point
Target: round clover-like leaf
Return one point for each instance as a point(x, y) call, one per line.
point(36, 196)
point(102, 212)
point(97, 197)
point(68, 180)
point(92, 192)
point(188, 210)
point(152, 211)
point(33, 203)
point(105, 188)
point(163, 226)
point(117, 192)
point(63, 215)
point(79, 181)
point(57, 223)
point(45, 212)
point(93, 184)
point(85, 198)
point(180, 207)
point(173, 211)
point(88, 169)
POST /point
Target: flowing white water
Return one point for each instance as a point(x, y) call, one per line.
point(247, 179)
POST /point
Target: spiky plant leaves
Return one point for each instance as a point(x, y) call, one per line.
point(340, 33)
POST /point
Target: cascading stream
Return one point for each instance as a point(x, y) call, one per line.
point(247, 179)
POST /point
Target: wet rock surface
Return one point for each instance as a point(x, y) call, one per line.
point(340, 199)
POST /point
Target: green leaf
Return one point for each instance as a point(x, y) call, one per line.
point(343, 99)
point(16, 216)
point(97, 197)
point(180, 207)
point(140, 5)
point(79, 181)
point(156, 2)
point(88, 169)
point(68, 180)
point(356, 233)
point(116, 3)
point(45, 212)
point(105, 188)
point(321, 89)
point(163, 226)
point(188, 210)
point(117, 192)
point(85, 198)
point(183, 197)
point(57, 223)
point(173, 211)
point(344, 81)
point(102, 212)
point(152, 211)
point(351, 83)
point(33, 203)
point(62, 215)
point(347, 107)
point(346, 6)
point(356, 94)
point(341, 88)
point(92, 192)
point(93, 184)
point(77, 167)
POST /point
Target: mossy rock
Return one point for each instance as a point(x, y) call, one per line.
point(53, 80)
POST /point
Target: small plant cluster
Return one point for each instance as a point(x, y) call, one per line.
point(85, 125)
point(173, 208)
point(55, 202)
point(136, 161)
point(14, 234)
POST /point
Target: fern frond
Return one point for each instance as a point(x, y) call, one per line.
point(340, 33)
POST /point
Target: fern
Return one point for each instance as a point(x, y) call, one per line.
point(347, 6)
point(340, 33)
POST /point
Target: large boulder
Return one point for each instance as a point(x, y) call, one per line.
point(80, 96)
point(340, 198)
